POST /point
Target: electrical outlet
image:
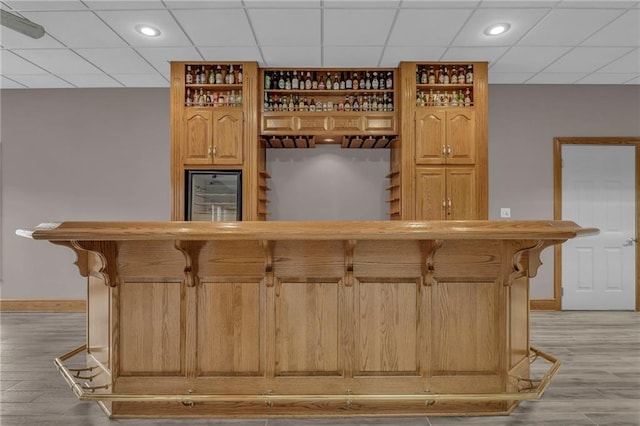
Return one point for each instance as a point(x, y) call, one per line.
point(505, 212)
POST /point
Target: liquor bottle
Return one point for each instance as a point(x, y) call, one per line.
point(454, 100)
point(445, 78)
point(343, 82)
point(423, 76)
point(292, 104)
point(349, 83)
point(219, 79)
point(188, 100)
point(189, 75)
point(307, 83)
point(329, 85)
point(201, 97)
point(212, 76)
point(287, 82)
point(356, 81)
point(347, 103)
point(281, 82)
point(321, 85)
point(432, 75)
point(440, 75)
point(467, 97)
point(302, 103)
point(224, 75)
point(365, 103)
point(294, 80)
point(469, 76)
point(374, 102)
point(382, 82)
point(389, 82)
point(367, 81)
point(239, 77)
point(461, 76)
point(336, 82)
point(267, 81)
point(312, 105)
point(355, 105)
point(454, 75)
point(232, 98)
point(230, 75)
point(314, 82)
point(375, 83)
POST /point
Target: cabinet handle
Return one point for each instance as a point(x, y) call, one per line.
point(210, 151)
point(444, 150)
point(449, 150)
point(214, 151)
point(444, 204)
point(449, 206)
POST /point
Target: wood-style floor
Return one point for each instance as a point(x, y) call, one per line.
point(598, 384)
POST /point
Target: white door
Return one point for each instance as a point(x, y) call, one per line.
point(598, 190)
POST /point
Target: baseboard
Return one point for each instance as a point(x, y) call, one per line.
point(28, 305)
point(544, 305)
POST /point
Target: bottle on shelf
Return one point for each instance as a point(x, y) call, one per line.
point(219, 79)
point(389, 81)
point(294, 80)
point(239, 77)
point(281, 82)
point(356, 82)
point(267, 81)
point(431, 78)
point(329, 84)
point(287, 81)
point(469, 75)
point(189, 75)
point(336, 82)
point(307, 82)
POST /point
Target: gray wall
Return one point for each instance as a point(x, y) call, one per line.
point(103, 154)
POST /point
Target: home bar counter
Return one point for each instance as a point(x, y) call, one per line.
point(260, 319)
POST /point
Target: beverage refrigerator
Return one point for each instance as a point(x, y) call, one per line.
point(213, 195)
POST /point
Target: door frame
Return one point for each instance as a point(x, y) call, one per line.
point(556, 302)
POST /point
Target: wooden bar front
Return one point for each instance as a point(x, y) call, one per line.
point(258, 319)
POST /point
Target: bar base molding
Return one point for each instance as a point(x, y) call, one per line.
point(46, 305)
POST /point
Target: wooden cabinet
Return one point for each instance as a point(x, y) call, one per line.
point(214, 125)
point(213, 136)
point(445, 136)
point(445, 193)
point(444, 155)
point(328, 101)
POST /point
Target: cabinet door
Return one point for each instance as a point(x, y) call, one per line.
point(431, 193)
point(227, 137)
point(461, 193)
point(460, 136)
point(430, 136)
point(197, 136)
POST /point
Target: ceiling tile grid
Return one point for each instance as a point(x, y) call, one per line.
point(93, 43)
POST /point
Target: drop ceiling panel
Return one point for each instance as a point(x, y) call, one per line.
point(142, 80)
point(435, 4)
point(42, 81)
point(160, 57)
point(45, 5)
point(348, 27)
point(350, 56)
point(90, 80)
point(556, 78)
point(117, 61)
point(521, 21)
point(624, 31)
point(209, 27)
point(393, 55)
point(6, 83)
point(528, 58)
point(568, 26)
point(199, 4)
point(612, 4)
point(509, 77)
point(14, 40)
point(427, 27)
point(290, 27)
point(225, 53)
point(59, 61)
point(123, 5)
point(474, 54)
point(587, 59)
point(607, 78)
point(375, 4)
point(628, 63)
point(14, 64)
point(124, 23)
point(294, 56)
point(518, 3)
point(77, 29)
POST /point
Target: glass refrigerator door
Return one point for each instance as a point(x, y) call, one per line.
point(214, 196)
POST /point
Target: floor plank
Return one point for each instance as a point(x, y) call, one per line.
point(598, 384)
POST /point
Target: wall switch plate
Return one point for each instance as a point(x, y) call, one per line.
point(505, 212)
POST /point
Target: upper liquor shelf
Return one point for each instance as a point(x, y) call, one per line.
point(444, 85)
point(213, 85)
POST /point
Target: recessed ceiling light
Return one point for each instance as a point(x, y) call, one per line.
point(497, 29)
point(148, 30)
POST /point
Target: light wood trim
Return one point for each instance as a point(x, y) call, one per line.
point(320, 230)
point(57, 305)
point(544, 305)
point(557, 202)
